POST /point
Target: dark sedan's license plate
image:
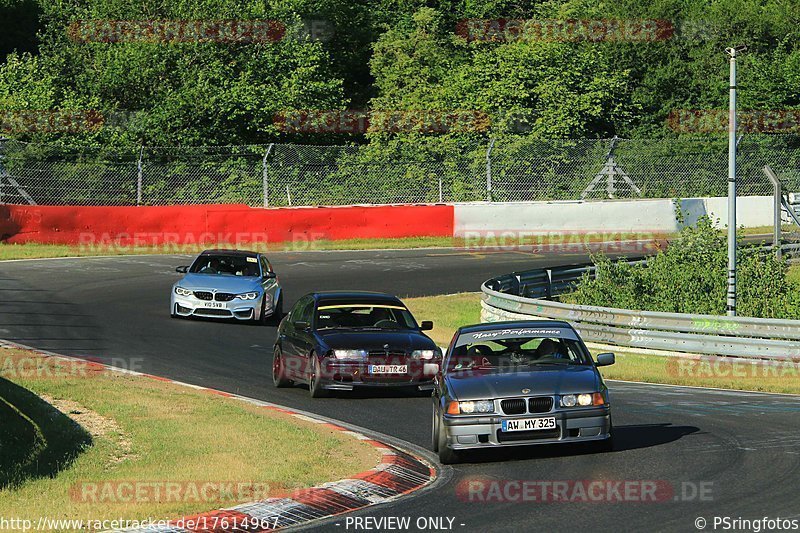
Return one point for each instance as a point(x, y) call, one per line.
point(388, 369)
point(528, 424)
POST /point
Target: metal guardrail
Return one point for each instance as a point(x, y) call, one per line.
point(529, 294)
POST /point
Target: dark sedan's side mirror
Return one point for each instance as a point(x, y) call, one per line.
point(302, 325)
point(605, 359)
point(182, 269)
point(426, 325)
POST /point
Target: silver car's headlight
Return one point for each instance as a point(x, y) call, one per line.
point(350, 354)
point(247, 296)
point(424, 354)
point(583, 400)
point(180, 291)
point(476, 406)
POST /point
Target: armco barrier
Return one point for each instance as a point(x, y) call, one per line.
point(527, 295)
point(219, 223)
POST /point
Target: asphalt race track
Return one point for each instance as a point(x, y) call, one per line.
point(729, 454)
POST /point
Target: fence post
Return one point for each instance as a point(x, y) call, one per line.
point(2, 166)
point(441, 198)
point(139, 177)
point(489, 171)
point(777, 199)
point(264, 180)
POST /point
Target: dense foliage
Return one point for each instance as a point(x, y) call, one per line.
point(397, 55)
point(690, 276)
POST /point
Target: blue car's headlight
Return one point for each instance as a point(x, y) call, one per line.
point(247, 296)
point(180, 291)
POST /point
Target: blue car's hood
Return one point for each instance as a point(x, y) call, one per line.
point(234, 284)
point(542, 381)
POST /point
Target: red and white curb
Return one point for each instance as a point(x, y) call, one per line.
point(399, 473)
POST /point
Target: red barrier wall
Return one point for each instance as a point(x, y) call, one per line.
point(219, 223)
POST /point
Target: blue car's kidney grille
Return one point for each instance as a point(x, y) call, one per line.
point(515, 406)
point(540, 405)
point(224, 296)
point(203, 295)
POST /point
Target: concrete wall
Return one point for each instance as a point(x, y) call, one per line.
point(630, 216)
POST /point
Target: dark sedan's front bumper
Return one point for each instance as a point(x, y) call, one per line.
point(485, 431)
point(338, 375)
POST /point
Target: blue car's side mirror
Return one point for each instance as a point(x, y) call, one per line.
point(182, 269)
point(605, 359)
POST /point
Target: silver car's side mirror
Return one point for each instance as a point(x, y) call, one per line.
point(606, 359)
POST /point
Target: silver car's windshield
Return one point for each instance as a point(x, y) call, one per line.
point(516, 354)
point(226, 265)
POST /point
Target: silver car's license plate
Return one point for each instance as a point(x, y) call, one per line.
point(213, 305)
point(528, 424)
point(388, 369)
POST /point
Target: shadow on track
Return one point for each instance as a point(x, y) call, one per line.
point(626, 438)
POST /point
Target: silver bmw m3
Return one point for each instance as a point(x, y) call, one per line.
point(228, 284)
point(519, 384)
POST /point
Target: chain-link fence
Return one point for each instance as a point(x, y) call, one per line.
point(511, 169)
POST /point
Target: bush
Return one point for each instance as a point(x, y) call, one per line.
point(690, 276)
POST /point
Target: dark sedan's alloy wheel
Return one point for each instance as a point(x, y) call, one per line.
point(278, 370)
point(315, 381)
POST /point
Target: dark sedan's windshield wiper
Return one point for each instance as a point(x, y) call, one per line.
point(554, 362)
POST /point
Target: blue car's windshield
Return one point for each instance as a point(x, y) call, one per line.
point(226, 265)
point(516, 354)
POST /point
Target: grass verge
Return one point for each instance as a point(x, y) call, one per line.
point(86, 443)
point(38, 251)
point(574, 240)
point(451, 311)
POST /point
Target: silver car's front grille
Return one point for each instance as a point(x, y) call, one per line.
point(514, 406)
point(203, 295)
point(224, 296)
point(520, 406)
point(540, 405)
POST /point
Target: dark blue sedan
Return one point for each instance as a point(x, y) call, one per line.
point(344, 340)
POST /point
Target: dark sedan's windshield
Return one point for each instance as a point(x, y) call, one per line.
point(377, 316)
point(517, 354)
point(226, 265)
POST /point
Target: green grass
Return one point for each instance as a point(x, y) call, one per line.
point(38, 251)
point(794, 275)
point(452, 311)
point(122, 428)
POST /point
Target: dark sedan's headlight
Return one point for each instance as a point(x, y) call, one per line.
point(247, 295)
point(357, 355)
point(424, 354)
point(180, 291)
point(583, 400)
point(470, 407)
